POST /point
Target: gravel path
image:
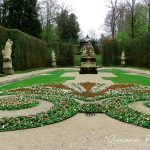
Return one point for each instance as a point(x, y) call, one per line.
point(15, 77)
point(41, 107)
point(80, 132)
point(96, 78)
point(139, 106)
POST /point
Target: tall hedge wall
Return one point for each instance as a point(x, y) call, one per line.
point(27, 51)
point(137, 51)
point(109, 52)
point(140, 51)
point(64, 53)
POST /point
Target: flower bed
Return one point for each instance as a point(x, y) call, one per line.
point(115, 100)
point(15, 103)
point(117, 107)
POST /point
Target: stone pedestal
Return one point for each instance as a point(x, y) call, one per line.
point(123, 63)
point(7, 66)
point(54, 64)
point(7, 61)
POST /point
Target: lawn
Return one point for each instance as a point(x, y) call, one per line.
point(50, 77)
point(124, 77)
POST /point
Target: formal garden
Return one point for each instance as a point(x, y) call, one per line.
point(66, 100)
point(58, 82)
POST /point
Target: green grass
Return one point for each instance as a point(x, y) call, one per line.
point(124, 77)
point(77, 60)
point(52, 77)
point(29, 70)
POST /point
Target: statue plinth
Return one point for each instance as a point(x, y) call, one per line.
point(7, 66)
point(53, 63)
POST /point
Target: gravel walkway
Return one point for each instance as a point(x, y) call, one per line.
point(80, 132)
point(96, 78)
point(139, 106)
point(41, 107)
point(15, 77)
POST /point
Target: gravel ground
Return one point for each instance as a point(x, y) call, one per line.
point(80, 132)
point(15, 77)
point(96, 78)
point(139, 106)
point(41, 107)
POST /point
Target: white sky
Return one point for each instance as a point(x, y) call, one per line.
point(91, 14)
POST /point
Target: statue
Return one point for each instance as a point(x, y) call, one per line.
point(8, 49)
point(7, 61)
point(87, 50)
point(123, 58)
point(53, 59)
point(88, 59)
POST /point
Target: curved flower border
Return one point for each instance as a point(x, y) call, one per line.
point(115, 104)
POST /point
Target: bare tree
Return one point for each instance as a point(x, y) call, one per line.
point(48, 11)
point(93, 34)
point(112, 16)
point(131, 8)
point(149, 15)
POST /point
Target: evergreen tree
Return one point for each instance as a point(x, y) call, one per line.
point(21, 14)
point(68, 27)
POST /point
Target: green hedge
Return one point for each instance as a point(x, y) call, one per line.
point(109, 52)
point(140, 51)
point(137, 51)
point(64, 53)
point(28, 51)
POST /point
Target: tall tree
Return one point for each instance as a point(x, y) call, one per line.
point(131, 9)
point(148, 3)
point(22, 14)
point(132, 26)
point(1, 11)
point(47, 12)
point(112, 16)
point(68, 27)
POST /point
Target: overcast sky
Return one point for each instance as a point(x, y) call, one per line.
point(91, 14)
